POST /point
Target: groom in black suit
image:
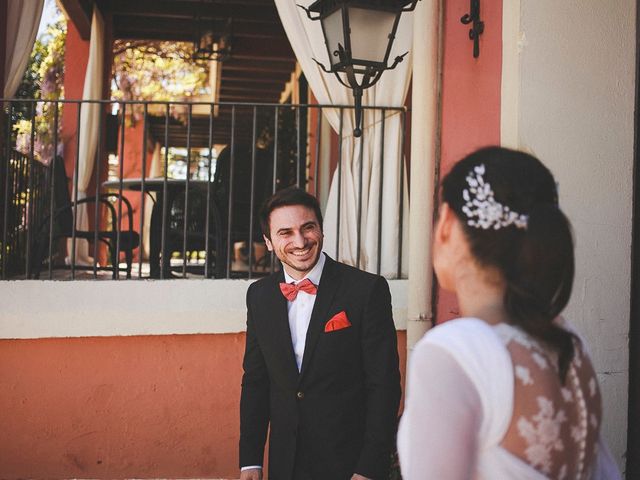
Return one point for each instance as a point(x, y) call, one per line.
point(321, 361)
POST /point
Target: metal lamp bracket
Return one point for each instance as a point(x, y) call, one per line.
point(369, 73)
point(477, 27)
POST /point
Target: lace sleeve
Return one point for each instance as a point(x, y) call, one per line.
point(439, 427)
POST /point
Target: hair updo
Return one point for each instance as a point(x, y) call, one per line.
point(535, 259)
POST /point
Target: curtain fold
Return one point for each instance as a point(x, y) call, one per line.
point(23, 20)
point(89, 129)
point(307, 41)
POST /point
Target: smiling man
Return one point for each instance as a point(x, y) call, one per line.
point(321, 369)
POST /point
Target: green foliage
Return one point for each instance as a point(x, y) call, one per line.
point(163, 71)
point(30, 85)
point(51, 70)
point(43, 79)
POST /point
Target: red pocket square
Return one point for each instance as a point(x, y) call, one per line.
point(337, 322)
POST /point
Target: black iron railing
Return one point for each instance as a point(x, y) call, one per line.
point(213, 166)
point(23, 204)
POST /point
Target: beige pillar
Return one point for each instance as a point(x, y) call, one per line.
point(425, 138)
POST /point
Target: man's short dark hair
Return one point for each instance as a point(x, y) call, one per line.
point(286, 197)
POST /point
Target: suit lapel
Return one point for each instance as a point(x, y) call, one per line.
point(326, 292)
point(281, 332)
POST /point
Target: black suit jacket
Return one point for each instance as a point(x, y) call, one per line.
point(341, 408)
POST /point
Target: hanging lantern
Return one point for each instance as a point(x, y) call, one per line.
point(212, 39)
point(359, 35)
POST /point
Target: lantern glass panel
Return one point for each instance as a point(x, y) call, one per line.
point(370, 31)
point(334, 35)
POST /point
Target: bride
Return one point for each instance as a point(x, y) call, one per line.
point(507, 391)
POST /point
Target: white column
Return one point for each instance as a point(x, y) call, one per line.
point(425, 140)
point(512, 41)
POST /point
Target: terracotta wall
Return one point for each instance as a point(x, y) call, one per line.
point(76, 56)
point(122, 407)
point(313, 139)
point(470, 96)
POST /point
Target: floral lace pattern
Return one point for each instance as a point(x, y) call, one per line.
point(554, 426)
point(542, 434)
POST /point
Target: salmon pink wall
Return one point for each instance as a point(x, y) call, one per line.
point(470, 96)
point(312, 139)
point(122, 407)
point(76, 58)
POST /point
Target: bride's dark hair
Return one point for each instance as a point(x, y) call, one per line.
point(536, 261)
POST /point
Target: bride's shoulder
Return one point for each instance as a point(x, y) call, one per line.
point(469, 340)
point(464, 329)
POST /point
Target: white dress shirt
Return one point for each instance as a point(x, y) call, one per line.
point(300, 309)
point(300, 315)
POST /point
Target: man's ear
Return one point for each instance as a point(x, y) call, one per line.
point(268, 242)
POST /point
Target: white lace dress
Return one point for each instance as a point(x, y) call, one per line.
point(485, 402)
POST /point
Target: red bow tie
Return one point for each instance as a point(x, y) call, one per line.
point(290, 290)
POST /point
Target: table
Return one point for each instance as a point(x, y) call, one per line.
point(174, 187)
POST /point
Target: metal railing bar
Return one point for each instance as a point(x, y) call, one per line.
point(252, 194)
point(96, 218)
point(143, 178)
point(15, 200)
point(30, 186)
point(379, 260)
point(19, 183)
point(230, 203)
point(75, 195)
point(339, 183)
point(207, 222)
point(121, 158)
point(52, 183)
point(165, 192)
point(186, 196)
point(359, 225)
point(7, 166)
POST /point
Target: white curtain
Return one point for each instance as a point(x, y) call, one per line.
point(89, 129)
point(23, 19)
point(307, 41)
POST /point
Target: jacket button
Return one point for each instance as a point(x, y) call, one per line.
point(300, 395)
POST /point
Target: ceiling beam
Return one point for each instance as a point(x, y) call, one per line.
point(257, 67)
point(240, 65)
point(231, 78)
point(250, 88)
point(190, 8)
point(162, 28)
point(246, 98)
point(277, 48)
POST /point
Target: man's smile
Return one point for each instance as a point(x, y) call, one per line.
point(301, 253)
